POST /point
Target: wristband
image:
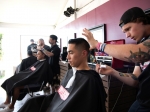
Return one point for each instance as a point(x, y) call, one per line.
point(102, 47)
point(98, 46)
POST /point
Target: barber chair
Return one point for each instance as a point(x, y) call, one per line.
point(30, 89)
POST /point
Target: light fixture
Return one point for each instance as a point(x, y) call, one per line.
point(70, 11)
point(67, 14)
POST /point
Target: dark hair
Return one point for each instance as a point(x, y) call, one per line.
point(43, 53)
point(145, 20)
point(135, 15)
point(29, 53)
point(31, 40)
point(80, 43)
point(54, 37)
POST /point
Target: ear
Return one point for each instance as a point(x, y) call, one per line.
point(84, 53)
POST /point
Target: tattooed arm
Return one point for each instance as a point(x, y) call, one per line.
point(135, 53)
point(130, 79)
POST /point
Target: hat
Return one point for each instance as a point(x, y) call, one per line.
point(54, 37)
point(31, 40)
point(130, 15)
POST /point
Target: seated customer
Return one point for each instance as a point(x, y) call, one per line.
point(80, 91)
point(27, 62)
point(37, 73)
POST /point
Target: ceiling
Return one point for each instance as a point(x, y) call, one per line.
point(31, 12)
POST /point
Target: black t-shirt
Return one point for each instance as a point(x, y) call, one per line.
point(48, 49)
point(55, 65)
point(32, 47)
point(143, 95)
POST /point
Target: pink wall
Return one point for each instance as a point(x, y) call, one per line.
point(109, 14)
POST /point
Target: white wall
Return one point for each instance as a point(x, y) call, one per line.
point(84, 6)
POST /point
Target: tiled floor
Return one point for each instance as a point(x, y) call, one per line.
point(18, 103)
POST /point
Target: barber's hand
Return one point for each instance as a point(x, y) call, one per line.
point(104, 71)
point(93, 43)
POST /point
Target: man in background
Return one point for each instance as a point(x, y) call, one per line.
point(41, 44)
point(53, 55)
point(32, 46)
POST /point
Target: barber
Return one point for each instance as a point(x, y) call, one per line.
point(54, 55)
point(136, 25)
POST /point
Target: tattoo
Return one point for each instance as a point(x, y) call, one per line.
point(127, 75)
point(123, 74)
point(133, 76)
point(139, 56)
point(147, 43)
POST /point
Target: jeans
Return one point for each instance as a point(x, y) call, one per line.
point(136, 107)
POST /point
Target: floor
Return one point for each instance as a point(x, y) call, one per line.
point(18, 103)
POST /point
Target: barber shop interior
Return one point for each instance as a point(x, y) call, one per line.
point(74, 55)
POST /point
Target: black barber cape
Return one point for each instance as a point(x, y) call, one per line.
point(87, 94)
point(38, 72)
point(27, 62)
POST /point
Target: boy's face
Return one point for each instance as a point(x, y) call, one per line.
point(40, 55)
point(135, 31)
point(75, 56)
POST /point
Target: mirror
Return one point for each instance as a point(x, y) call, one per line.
point(99, 33)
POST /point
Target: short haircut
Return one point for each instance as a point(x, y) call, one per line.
point(31, 40)
point(42, 53)
point(80, 43)
point(41, 39)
